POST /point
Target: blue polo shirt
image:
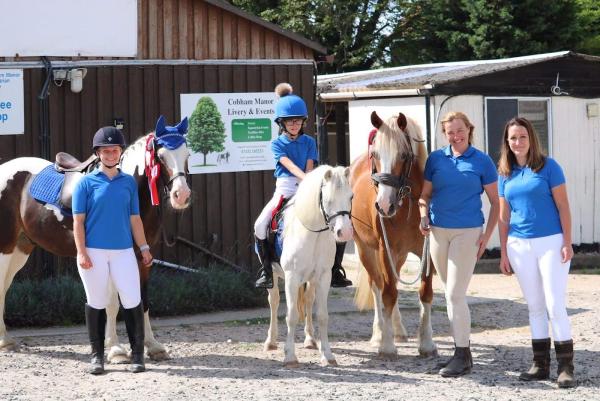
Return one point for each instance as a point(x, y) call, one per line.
point(533, 212)
point(108, 205)
point(301, 150)
point(457, 185)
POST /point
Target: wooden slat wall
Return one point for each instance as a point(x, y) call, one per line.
point(224, 205)
point(193, 29)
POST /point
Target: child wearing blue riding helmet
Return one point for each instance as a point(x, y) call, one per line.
point(295, 155)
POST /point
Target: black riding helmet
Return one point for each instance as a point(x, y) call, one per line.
point(108, 136)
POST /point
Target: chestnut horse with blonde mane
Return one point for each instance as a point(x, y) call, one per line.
point(386, 181)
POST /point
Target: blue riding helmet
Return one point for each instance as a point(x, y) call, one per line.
point(290, 106)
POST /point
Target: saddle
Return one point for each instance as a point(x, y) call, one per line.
point(72, 168)
point(54, 184)
point(275, 235)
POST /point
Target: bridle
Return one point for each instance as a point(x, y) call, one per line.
point(328, 217)
point(400, 182)
point(153, 173)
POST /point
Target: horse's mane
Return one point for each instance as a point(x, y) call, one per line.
point(133, 156)
point(391, 140)
point(305, 202)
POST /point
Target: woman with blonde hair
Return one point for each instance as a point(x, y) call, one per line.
point(450, 207)
point(535, 243)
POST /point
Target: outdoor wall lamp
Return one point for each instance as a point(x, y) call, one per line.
point(74, 75)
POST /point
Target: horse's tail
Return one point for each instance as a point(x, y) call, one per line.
point(300, 305)
point(363, 298)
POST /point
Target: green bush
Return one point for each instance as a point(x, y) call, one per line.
point(60, 300)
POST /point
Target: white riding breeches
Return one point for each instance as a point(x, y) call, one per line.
point(284, 186)
point(543, 280)
point(118, 266)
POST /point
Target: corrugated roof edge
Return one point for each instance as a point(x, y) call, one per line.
point(331, 83)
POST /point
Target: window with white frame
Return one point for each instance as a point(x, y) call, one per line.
point(498, 110)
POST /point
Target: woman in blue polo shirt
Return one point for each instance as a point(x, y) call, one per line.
point(535, 240)
point(450, 207)
point(106, 216)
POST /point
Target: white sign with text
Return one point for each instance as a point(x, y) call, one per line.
point(230, 132)
point(12, 120)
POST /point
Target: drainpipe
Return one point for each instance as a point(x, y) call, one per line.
point(428, 122)
point(48, 261)
point(322, 145)
point(45, 111)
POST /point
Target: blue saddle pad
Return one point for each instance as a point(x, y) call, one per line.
point(276, 237)
point(279, 239)
point(46, 186)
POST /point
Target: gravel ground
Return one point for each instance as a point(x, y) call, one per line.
point(225, 360)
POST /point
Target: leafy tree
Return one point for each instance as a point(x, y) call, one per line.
point(589, 20)
point(363, 34)
point(450, 30)
point(356, 32)
point(206, 132)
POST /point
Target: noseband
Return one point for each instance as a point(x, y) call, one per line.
point(400, 182)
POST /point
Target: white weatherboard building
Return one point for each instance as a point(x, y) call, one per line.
point(558, 92)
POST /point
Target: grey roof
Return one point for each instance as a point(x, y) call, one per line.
point(269, 25)
point(430, 75)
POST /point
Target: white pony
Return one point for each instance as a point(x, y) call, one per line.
point(317, 217)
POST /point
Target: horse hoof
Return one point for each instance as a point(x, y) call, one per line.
point(159, 356)
point(291, 364)
point(310, 344)
point(428, 353)
point(118, 359)
point(270, 347)
point(329, 362)
point(401, 339)
point(7, 346)
point(388, 356)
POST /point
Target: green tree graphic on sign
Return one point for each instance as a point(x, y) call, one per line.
point(206, 133)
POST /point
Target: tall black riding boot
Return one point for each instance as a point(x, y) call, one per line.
point(564, 357)
point(265, 279)
point(134, 322)
point(460, 364)
point(540, 370)
point(95, 320)
point(338, 274)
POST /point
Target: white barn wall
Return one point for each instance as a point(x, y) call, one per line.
point(359, 112)
point(576, 146)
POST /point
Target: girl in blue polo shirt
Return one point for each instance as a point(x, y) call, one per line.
point(535, 240)
point(295, 154)
point(450, 207)
point(106, 221)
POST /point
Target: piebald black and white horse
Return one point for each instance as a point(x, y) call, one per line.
point(27, 222)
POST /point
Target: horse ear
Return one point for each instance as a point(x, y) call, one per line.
point(402, 121)
point(347, 172)
point(160, 125)
point(182, 127)
point(328, 175)
point(375, 120)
